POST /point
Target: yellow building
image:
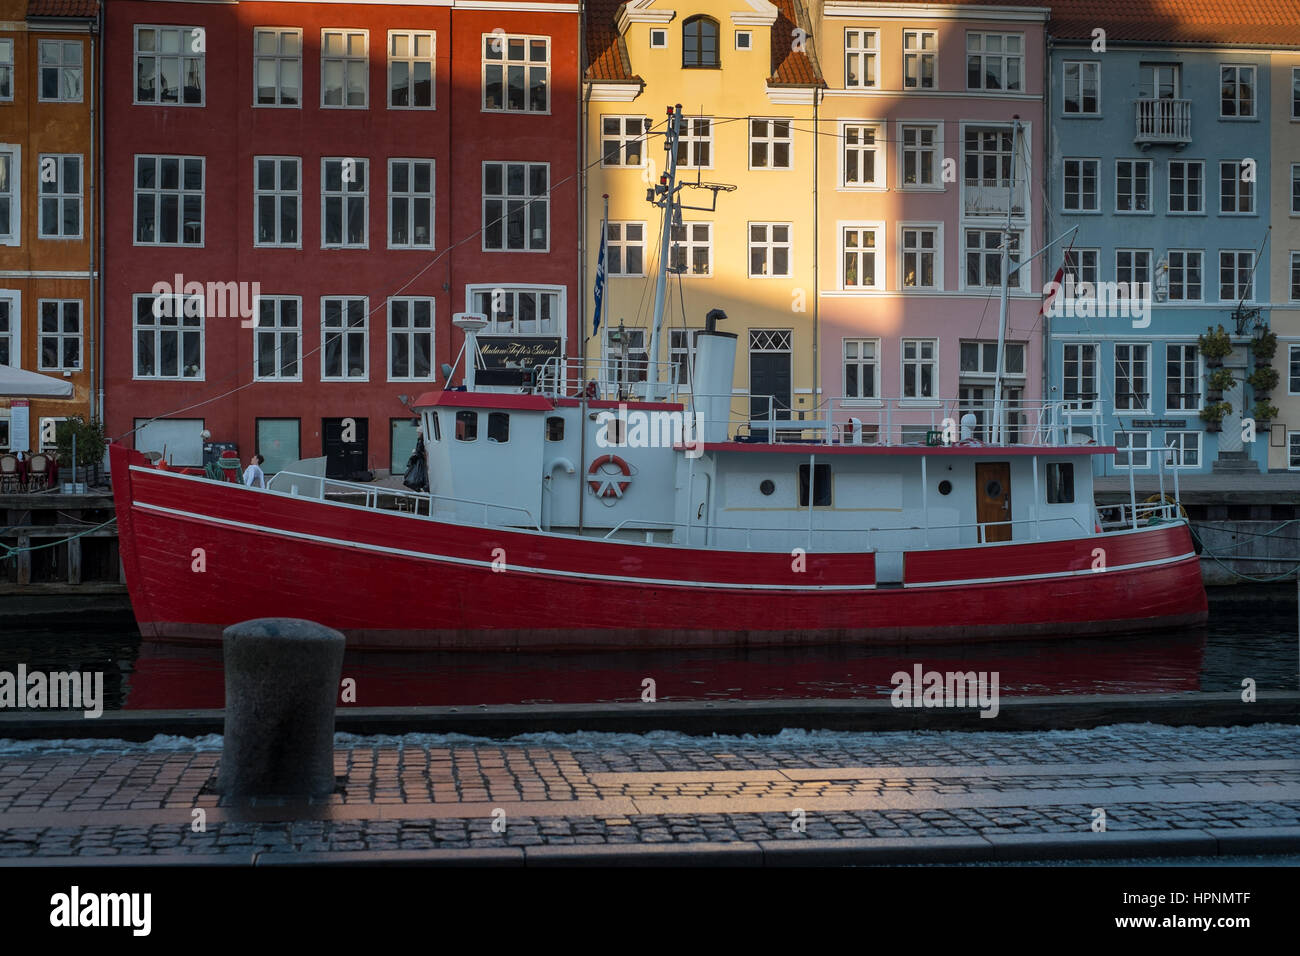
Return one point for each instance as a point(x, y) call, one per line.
point(48, 225)
point(745, 75)
point(1284, 264)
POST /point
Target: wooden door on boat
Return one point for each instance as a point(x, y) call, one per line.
point(993, 499)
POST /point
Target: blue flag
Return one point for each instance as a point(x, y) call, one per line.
point(600, 279)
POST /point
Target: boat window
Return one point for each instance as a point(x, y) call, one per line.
point(767, 486)
point(499, 427)
point(555, 428)
point(821, 497)
point(437, 429)
point(466, 426)
point(1060, 483)
point(945, 487)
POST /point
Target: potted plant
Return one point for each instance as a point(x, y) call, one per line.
point(1218, 382)
point(1263, 380)
point(1213, 413)
point(1264, 347)
point(90, 447)
point(1215, 345)
point(1263, 414)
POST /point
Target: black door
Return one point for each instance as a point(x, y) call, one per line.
point(769, 375)
point(346, 450)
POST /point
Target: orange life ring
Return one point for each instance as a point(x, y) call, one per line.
point(604, 485)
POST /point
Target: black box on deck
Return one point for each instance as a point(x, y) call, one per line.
point(212, 450)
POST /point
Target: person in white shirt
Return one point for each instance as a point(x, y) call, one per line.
point(253, 476)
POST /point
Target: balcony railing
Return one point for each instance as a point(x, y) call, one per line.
point(1163, 121)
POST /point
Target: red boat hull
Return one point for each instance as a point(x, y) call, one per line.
point(201, 555)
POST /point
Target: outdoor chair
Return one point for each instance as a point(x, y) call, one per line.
point(38, 472)
point(9, 479)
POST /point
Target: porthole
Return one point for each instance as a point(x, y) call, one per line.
point(993, 489)
point(945, 487)
point(767, 486)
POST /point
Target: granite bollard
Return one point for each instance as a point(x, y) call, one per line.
point(282, 684)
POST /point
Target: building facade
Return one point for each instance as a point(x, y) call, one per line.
point(1163, 152)
point(300, 197)
point(1284, 251)
point(48, 211)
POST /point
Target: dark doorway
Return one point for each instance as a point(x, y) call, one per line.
point(347, 448)
point(993, 499)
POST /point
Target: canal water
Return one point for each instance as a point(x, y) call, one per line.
point(1254, 639)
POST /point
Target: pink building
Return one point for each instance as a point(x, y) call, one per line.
point(924, 109)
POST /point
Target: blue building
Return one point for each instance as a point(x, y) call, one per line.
point(1159, 151)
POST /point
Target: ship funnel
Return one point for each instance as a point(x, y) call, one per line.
point(715, 361)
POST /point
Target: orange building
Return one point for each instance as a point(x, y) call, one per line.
point(48, 217)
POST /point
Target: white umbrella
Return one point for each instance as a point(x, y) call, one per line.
point(19, 383)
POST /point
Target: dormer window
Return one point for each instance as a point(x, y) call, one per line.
point(700, 43)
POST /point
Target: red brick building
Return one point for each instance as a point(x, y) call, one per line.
point(372, 168)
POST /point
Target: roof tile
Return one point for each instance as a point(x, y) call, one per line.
point(74, 9)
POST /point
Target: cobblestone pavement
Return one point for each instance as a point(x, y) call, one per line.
point(423, 792)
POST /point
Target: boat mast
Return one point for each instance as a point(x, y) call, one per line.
point(663, 195)
point(996, 431)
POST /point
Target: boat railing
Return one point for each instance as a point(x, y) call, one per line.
point(421, 504)
point(612, 378)
point(903, 421)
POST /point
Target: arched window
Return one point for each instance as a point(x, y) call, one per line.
point(700, 42)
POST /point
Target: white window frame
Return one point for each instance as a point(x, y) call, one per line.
point(985, 373)
point(346, 59)
point(1292, 451)
point(186, 33)
point(1083, 162)
point(504, 62)
point(622, 243)
point(1295, 189)
point(1078, 268)
point(1081, 67)
point(1135, 254)
point(690, 139)
point(411, 332)
point(1186, 164)
point(678, 351)
point(1293, 376)
point(1294, 295)
point(1186, 254)
point(178, 302)
point(624, 138)
point(1133, 165)
point(410, 60)
point(688, 244)
point(1197, 370)
point(1082, 362)
point(1240, 188)
point(1240, 69)
point(845, 361)
point(6, 69)
point(1145, 348)
point(867, 55)
point(60, 195)
point(342, 195)
point(409, 196)
point(1236, 267)
point(345, 331)
point(877, 149)
point(1018, 242)
point(60, 335)
point(15, 334)
point(1003, 55)
point(60, 68)
point(658, 38)
point(530, 205)
point(919, 362)
point(1132, 439)
point(936, 251)
point(277, 60)
point(278, 331)
point(748, 37)
point(181, 193)
point(935, 183)
point(769, 141)
point(1295, 93)
point(842, 251)
point(277, 195)
point(494, 327)
point(921, 54)
point(1178, 458)
point(14, 236)
point(769, 245)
